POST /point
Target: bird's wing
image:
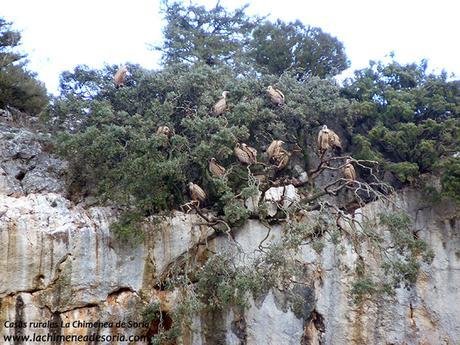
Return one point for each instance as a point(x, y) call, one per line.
point(280, 93)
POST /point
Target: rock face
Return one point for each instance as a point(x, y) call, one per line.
point(60, 265)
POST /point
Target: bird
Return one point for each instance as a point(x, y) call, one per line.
point(334, 140)
point(349, 171)
point(327, 139)
point(215, 168)
point(221, 105)
point(164, 130)
point(281, 160)
point(120, 76)
point(245, 154)
point(197, 194)
point(274, 149)
point(276, 96)
point(323, 140)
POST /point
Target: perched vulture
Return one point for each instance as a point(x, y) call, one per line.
point(245, 154)
point(120, 76)
point(334, 140)
point(274, 149)
point(349, 171)
point(215, 168)
point(221, 105)
point(252, 152)
point(323, 140)
point(276, 96)
point(281, 159)
point(328, 139)
point(196, 193)
point(164, 130)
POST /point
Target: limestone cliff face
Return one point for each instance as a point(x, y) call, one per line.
point(60, 263)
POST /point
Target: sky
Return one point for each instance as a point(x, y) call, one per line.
point(57, 35)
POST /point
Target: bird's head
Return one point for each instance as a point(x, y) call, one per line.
point(190, 185)
point(238, 145)
point(212, 160)
point(269, 88)
point(324, 128)
point(225, 94)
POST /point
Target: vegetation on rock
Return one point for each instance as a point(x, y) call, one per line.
point(395, 116)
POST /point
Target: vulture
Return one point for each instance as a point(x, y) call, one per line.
point(276, 96)
point(281, 159)
point(323, 140)
point(328, 139)
point(197, 194)
point(334, 140)
point(245, 154)
point(215, 168)
point(164, 130)
point(349, 171)
point(221, 105)
point(120, 76)
point(274, 149)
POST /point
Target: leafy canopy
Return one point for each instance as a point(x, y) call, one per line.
point(278, 47)
point(18, 86)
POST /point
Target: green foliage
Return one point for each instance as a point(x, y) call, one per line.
point(279, 47)
point(9, 40)
point(450, 179)
point(151, 312)
point(127, 228)
point(195, 34)
point(221, 283)
point(404, 116)
point(409, 248)
point(362, 288)
point(18, 86)
point(217, 36)
point(113, 148)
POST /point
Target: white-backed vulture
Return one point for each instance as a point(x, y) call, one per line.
point(221, 105)
point(120, 76)
point(245, 154)
point(349, 171)
point(276, 96)
point(215, 168)
point(164, 130)
point(274, 149)
point(196, 193)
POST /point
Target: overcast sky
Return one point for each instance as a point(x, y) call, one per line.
point(60, 34)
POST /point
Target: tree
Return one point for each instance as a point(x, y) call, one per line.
point(9, 39)
point(308, 51)
point(405, 115)
point(194, 34)
point(18, 87)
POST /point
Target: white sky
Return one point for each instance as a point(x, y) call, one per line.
point(60, 34)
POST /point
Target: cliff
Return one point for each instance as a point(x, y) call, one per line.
point(59, 263)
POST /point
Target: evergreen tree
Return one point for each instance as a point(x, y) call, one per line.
point(308, 51)
point(195, 34)
point(18, 87)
